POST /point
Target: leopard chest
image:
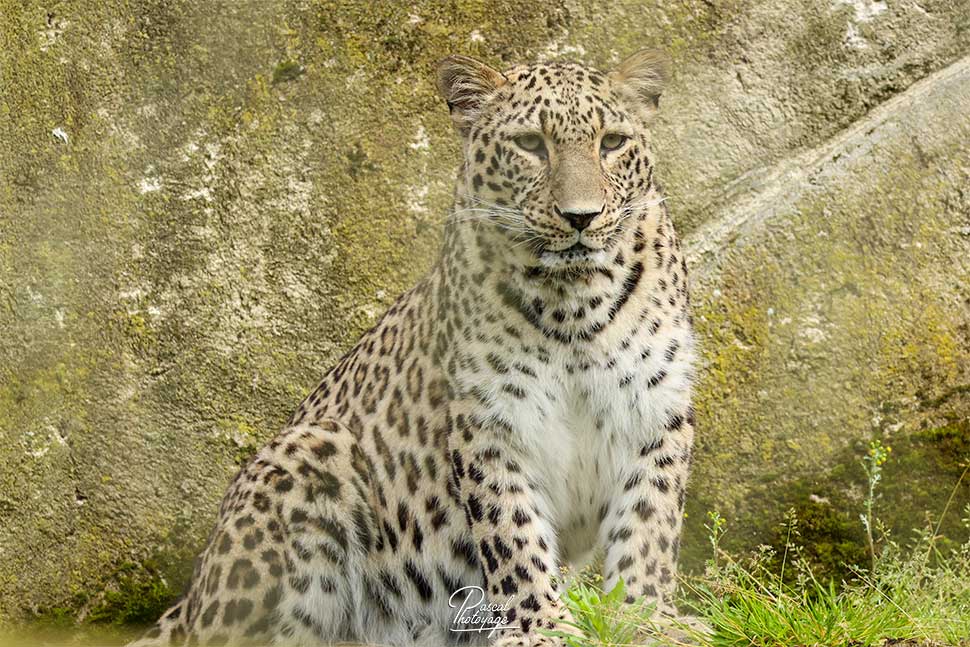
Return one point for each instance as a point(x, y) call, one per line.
point(580, 415)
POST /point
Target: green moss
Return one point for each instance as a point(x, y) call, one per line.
point(945, 396)
point(287, 71)
point(59, 617)
point(831, 541)
point(952, 440)
point(140, 596)
point(243, 439)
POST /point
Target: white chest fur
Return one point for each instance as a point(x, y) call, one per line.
point(581, 416)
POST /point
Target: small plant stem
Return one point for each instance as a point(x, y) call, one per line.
point(946, 508)
point(872, 543)
point(784, 558)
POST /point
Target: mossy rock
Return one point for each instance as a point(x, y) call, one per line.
point(831, 542)
point(140, 596)
point(950, 441)
point(246, 186)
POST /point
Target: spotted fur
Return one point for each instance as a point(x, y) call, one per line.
point(525, 406)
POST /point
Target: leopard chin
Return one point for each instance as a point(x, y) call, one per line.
point(577, 256)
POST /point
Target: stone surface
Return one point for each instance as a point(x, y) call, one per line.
point(203, 204)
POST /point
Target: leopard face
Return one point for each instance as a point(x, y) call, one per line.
point(557, 156)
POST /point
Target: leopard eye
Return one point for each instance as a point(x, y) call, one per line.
point(531, 142)
point(612, 141)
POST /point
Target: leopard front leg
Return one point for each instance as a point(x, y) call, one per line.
point(515, 540)
point(641, 533)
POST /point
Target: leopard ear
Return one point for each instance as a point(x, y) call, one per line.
point(466, 85)
point(646, 73)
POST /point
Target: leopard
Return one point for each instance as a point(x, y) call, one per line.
point(524, 409)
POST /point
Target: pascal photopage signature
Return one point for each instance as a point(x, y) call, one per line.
point(475, 615)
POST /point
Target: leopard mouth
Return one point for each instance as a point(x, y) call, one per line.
point(577, 254)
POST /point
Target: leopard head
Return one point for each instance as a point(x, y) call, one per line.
point(556, 159)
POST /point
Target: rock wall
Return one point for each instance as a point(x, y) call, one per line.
point(203, 203)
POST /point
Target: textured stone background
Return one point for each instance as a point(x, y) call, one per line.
point(203, 203)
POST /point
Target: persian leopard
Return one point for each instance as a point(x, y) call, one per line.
point(526, 405)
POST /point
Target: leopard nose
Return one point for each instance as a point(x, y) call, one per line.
point(578, 219)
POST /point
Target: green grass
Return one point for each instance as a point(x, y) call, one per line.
point(916, 592)
point(602, 617)
point(919, 592)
